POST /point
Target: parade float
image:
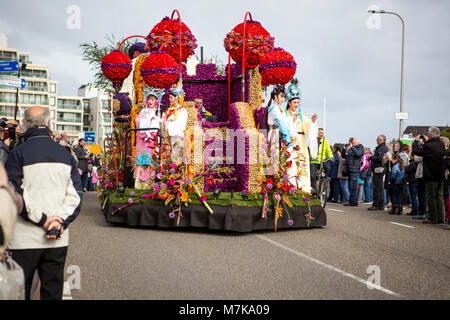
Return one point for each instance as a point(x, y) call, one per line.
point(219, 175)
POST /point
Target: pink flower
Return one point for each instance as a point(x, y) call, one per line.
point(203, 198)
point(173, 165)
point(130, 200)
point(172, 182)
point(172, 215)
point(290, 222)
point(146, 195)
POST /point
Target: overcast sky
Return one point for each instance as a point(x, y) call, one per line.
point(338, 56)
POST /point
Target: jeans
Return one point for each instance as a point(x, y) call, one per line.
point(353, 187)
point(397, 195)
point(413, 193)
point(336, 189)
point(422, 196)
point(84, 180)
point(345, 193)
point(361, 192)
point(314, 167)
point(435, 200)
point(368, 189)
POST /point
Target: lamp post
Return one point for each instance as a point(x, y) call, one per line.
point(403, 55)
point(22, 66)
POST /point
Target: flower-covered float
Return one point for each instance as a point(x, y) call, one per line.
point(166, 165)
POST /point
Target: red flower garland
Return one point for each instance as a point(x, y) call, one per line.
point(254, 34)
point(116, 66)
point(159, 70)
point(277, 67)
point(168, 31)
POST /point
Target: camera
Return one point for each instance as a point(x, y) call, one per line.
point(54, 232)
point(9, 133)
point(422, 136)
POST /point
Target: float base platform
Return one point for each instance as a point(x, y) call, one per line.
point(231, 218)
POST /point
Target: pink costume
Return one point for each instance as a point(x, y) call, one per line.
point(146, 145)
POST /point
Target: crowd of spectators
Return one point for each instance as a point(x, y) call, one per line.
point(395, 179)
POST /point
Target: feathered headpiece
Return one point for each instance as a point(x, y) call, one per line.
point(152, 91)
point(292, 91)
point(177, 91)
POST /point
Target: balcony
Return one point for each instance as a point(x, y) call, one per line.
point(8, 100)
point(31, 74)
point(32, 88)
point(3, 59)
point(62, 119)
point(69, 106)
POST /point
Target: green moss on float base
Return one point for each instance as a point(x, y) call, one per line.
point(224, 199)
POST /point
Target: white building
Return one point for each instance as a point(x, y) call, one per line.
point(97, 112)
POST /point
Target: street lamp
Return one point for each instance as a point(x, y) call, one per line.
point(22, 66)
point(403, 55)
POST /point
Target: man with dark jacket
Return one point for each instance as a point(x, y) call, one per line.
point(82, 156)
point(433, 153)
point(378, 173)
point(353, 160)
point(45, 174)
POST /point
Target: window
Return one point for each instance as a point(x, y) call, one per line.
point(52, 88)
point(52, 101)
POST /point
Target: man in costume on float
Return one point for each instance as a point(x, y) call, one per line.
point(301, 128)
point(147, 141)
point(205, 114)
point(175, 119)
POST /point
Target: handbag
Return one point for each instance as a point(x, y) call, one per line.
point(378, 170)
point(345, 171)
point(12, 279)
point(363, 174)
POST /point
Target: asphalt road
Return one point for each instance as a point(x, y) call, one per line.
point(116, 262)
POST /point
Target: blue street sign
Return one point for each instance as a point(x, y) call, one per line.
point(9, 66)
point(89, 137)
point(14, 82)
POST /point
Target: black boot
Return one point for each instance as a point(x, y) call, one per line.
point(393, 210)
point(399, 210)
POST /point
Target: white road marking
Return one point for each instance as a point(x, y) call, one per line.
point(336, 210)
point(403, 225)
point(323, 264)
point(66, 292)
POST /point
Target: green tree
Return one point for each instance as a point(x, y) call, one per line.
point(446, 133)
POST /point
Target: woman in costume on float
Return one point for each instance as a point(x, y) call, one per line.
point(175, 119)
point(147, 140)
point(277, 120)
point(300, 128)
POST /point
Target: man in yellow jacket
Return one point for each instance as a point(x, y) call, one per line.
point(324, 153)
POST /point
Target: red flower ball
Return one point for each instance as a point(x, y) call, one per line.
point(159, 70)
point(255, 34)
point(116, 66)
point(168, 31)
point(277, 67)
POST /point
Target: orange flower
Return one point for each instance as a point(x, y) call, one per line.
point(279, 211)
point(184, 196)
